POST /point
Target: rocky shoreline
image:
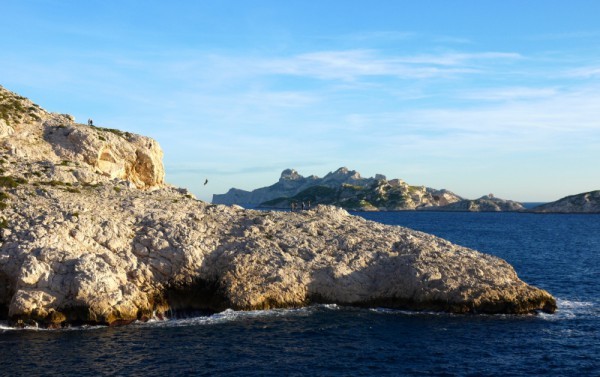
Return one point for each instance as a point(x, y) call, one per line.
point(587, 202)
point(91, 234)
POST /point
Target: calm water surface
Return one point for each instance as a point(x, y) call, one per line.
point(559, 253)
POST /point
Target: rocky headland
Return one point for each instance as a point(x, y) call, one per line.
point(91, 234)
point(587, 202)
point(487, 203)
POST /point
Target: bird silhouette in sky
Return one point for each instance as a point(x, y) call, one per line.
point(205, 182)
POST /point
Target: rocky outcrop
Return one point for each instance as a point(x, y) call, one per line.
point(88, 154)
point(342, 188)
point(487, 203)
point(587, 202)
point(79, 246)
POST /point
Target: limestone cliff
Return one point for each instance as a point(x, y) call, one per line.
point(72, 152)
point(587, 202)
point(83, 240)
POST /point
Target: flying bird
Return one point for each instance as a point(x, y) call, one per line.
point(205, 182)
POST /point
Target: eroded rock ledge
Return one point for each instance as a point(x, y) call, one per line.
point(79, 244)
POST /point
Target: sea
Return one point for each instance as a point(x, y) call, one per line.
point(559, 253)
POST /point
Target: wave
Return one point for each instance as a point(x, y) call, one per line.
point(567, 309)
point(230, 315)
point(571, 309)
point(4, 327)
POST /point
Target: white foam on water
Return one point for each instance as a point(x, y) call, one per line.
point(570, 309)
point(328, 306)
point(567, 309)
point(5, 327)
point(228, 315)
point(409, 312)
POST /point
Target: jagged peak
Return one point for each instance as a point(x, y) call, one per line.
point(344, 172)
point(290, 175)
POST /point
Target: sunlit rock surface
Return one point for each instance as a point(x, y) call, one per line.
point(89, 233)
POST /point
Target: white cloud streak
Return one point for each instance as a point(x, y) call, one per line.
point(354, 64)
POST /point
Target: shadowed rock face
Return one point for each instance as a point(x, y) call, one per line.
point(79, 247)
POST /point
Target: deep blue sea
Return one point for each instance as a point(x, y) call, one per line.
point(560, 253)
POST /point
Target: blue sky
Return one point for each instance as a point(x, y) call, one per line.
point(476, 97)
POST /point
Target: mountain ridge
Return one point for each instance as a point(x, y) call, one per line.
point(350, 190)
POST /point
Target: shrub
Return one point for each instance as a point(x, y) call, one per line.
point(10, 182)
point(53, 183)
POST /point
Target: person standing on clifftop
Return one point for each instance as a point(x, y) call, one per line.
point(90, 122)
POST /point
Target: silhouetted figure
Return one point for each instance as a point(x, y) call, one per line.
point(308, 205)
point(90, 122)
point(303, 206)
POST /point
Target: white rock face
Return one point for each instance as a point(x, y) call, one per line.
point(75, 152)
point(83, 241)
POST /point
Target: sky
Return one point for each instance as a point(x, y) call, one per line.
point(476, 97)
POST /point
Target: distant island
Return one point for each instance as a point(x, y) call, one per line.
point(347, 189)
point(587, 202)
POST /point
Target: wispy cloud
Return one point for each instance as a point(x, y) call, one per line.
point(510, 94)
point(353, 64)
point(581, 34)
point(585, 72)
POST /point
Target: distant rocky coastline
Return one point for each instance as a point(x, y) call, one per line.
point(346, 189)
point(91, 234)
point(587, 202)
point(487, 203)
